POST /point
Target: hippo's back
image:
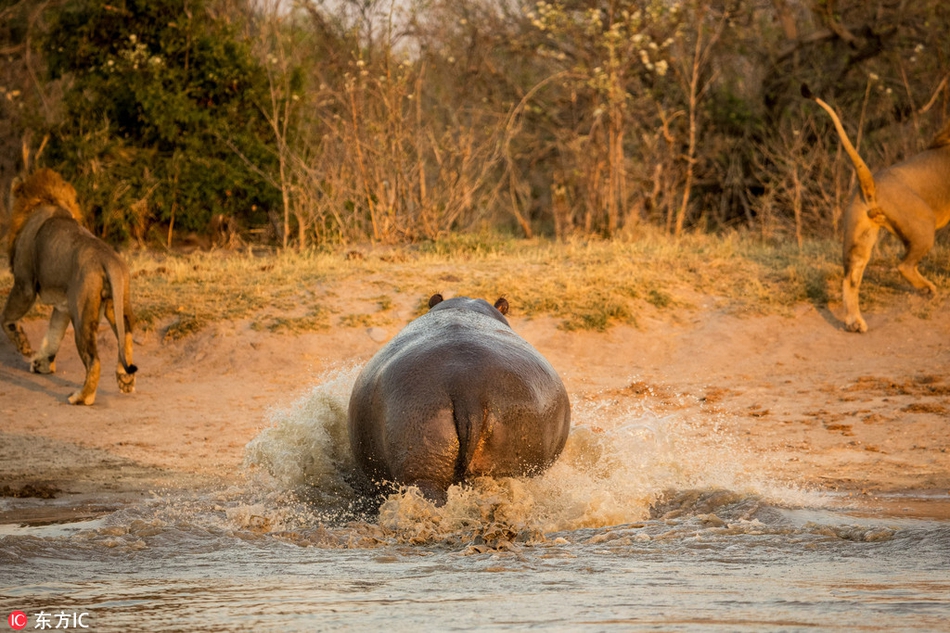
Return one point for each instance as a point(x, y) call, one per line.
point(457, 394)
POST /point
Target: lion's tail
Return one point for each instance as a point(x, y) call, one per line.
point(868, 188)
point(119, 290)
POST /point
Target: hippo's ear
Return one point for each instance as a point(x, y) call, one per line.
point(435, 300)
point(502, 305)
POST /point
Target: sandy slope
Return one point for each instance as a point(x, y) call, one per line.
point(800, 398)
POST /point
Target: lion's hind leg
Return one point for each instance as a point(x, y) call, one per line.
point(918, 240)
point(908, 268)
point(44, 362)
point(916, 227)
point(856, 256)
point(86, 328)
point(21, 299)
point(125, 380)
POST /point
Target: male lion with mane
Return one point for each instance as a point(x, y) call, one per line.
point(54, 258)
point(910, 199)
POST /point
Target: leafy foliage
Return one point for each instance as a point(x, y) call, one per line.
point(162, 119)
point(391, 122)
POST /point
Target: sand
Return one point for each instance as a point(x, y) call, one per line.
point(802, 400)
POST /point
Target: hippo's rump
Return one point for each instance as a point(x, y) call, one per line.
point(456, 395)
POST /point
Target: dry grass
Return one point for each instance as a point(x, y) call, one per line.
point(587, 285)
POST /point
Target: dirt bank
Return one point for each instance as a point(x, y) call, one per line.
point(803, 400)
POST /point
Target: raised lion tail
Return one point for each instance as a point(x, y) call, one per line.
point(117, 280)
point(868, 188)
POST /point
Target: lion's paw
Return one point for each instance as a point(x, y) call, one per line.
point(77, 398)
point(43, 365)
point(18, 336)
point(126, 382)
point(856, 324)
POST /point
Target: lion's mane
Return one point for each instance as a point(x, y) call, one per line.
point(43, 187)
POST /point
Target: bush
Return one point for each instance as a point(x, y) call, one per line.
point(162, 118)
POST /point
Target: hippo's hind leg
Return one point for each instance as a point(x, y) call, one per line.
point(426, 457)
point(432, 491)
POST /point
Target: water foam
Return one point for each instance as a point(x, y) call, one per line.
point(618, 463)
point(306, 447)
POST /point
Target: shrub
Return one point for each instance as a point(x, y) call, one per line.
point(162, 120)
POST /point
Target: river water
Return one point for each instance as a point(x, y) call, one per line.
point(638, 526)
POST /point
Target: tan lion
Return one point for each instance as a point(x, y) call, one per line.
point(54, 258)
point(910, 199)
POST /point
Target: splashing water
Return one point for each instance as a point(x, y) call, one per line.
point(644, 521)
point(616, 465)
point(306, 448)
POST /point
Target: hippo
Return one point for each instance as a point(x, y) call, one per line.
point(456, 395)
